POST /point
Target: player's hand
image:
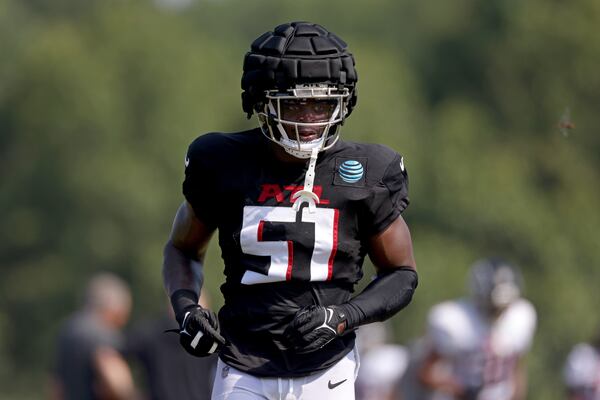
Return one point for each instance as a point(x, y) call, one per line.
point(315, 326)
point(199, 332)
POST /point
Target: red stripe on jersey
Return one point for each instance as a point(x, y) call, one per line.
point(319, 192)
point(335, 244)
point(259, 233)
point(288, 274)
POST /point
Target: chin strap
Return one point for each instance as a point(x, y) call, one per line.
point(306, 195)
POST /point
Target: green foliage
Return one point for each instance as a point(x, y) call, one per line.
point(99, 99)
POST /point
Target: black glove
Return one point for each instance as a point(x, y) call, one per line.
point(199, 332)
point(315, 326)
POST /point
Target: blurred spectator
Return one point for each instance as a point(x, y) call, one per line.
point(475, 346)
point(170, 372)
point(410, 386)
point(582, 371)
point(89, 363)
point(382, 364)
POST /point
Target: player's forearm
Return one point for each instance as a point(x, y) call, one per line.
point(446, 385)
point(115, 380)
point(180, 270)
point(520, 381)
point(390, 292)
point(450, 387)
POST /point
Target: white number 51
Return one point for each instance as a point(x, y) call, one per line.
point(281, 252)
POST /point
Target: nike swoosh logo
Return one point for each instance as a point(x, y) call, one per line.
point(329, 314)
point(334, 385)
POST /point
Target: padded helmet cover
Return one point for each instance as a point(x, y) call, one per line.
point(296, 53)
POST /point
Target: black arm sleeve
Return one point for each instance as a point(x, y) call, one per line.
point(389, 293)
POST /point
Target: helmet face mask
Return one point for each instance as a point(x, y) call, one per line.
point(285, 117)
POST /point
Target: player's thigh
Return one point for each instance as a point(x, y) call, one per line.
point(232, 384)
point(335, 383)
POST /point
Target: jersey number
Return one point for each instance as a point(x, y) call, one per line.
point(281, 252)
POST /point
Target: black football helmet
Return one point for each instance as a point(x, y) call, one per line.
point(298, 60)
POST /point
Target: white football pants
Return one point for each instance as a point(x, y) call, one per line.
point(337, 382)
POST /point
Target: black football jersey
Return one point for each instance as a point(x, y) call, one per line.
point(278, 260)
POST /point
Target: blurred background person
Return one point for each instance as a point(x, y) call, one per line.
point(410, 387)
point(582, 371)
point(89, 363)
point(169, 372)
point(476, 345)
point(382, 364)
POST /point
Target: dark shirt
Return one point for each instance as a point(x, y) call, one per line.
point(79, 338)
point(278, 260)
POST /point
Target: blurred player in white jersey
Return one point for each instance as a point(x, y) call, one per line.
point(475, 346)
point(582, 371)
point(382, 364)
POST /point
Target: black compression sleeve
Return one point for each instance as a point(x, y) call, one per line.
point(390, 292)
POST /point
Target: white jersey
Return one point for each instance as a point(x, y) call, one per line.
point(582, 371)
point(480, 352)
point(382, 364)
point(380, 371)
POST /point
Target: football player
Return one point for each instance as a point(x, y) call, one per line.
point(582, 371)
point(476, 345)
point(297, 209)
